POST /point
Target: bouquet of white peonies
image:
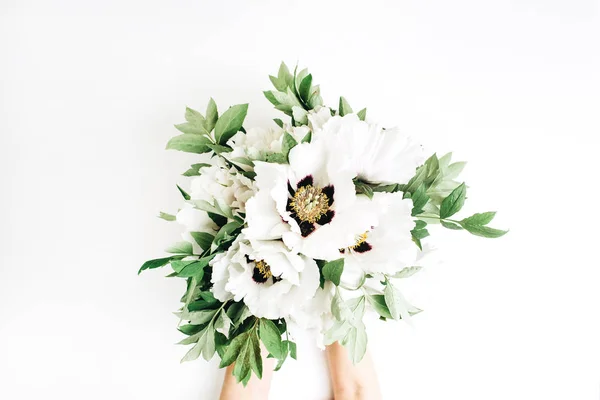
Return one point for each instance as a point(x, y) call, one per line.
point(305, 225)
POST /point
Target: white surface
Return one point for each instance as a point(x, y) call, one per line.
point(88, 96)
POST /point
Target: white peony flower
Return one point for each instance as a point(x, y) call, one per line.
point(272, 281)
point(310, 203)
point(223, 184)
point(318, 117)
point(387, 247)
point(195, 220)
point(314, 317)
point(377, 155)
point(256, 143)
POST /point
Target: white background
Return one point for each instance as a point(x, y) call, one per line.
point(88, 96)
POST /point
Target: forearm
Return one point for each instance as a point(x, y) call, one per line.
point(352, 382)
point(256, 389)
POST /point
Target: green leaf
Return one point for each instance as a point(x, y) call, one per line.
point(419, 199)
point(332, 270)
point(181, 248)
point(300, 116)
point(255, 356)
point(190, 329)
point(218, 149)
point(166, 217)
point(199, 317)
point(204, 239)
point(233, 350)
point(271, 337)
point(195, 268)
point(407, 272)
point(395, 301)
point(450, 225)
point(377, 301)
point(391, 188)
point(156, 263)
point(288, 143)
point(454, 202)
point(278, 158)
point(363, 188)
point(189, 143)
point(305, 86)
point(339, 308)
point(484, 231)
point(344, 107)
point(479, 218)
point(223, 324)
point(205, 345)
point(230, 123)
point(185, 195)
point(307, 138)
point(194, 170)
point(196, 119)
point(362, 114)
point(238, 312)
point(192, 129)
point(212, 115)
point(278, 122)
point(292, 347)
point(356, 343)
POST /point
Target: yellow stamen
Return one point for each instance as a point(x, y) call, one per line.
point(264, 269)
point(310, 203)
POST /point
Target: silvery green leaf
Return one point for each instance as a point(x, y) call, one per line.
point(166, 217)
point(288, 143)
point(337, 332)
point(278, 158)
point(344, 107)
point(396, 302)
point(270, 95)
point(357, 306)
point(189, 143)
point(450, 225)
point(191, 129)
point(407, 272)
point(454, 202)
point(223, 323)
point(480, 218)
point(355, 342)
point(300, 116)
point(195, 118)
point(484, 231)
point(362, 114)
point(339, 308)
point(243, 161)
point(315, 99)
point(455, 169)
point(230, 123)
point(193, 353)
point(280, 85)
point(180, 248)
point(444, 161)
point(212, 115)
point(285, 75)
point(199, 317)
point(218, 149)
